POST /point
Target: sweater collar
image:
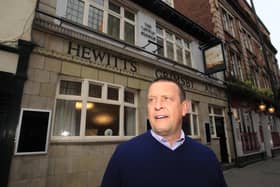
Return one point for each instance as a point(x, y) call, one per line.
point(165, 142)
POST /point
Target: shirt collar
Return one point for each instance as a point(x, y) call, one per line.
point(165, 142)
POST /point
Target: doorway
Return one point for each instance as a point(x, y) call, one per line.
point(220, 130)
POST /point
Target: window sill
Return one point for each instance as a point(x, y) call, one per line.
point(79, 140)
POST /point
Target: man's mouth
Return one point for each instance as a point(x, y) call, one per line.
point(161, 116)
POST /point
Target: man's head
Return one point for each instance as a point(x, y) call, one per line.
point(166, 107)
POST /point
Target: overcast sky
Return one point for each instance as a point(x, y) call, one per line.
point(269, 12)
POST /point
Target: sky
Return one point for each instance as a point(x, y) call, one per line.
point(268, 11)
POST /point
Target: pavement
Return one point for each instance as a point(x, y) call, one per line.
point(261, 174)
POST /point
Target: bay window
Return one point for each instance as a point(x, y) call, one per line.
point(90, 108)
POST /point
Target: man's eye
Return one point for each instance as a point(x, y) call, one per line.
point(166, 98)
point(150, 100)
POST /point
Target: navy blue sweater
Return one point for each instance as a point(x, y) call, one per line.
point(144, 162)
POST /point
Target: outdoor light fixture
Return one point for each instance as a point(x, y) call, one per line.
point(262, 107)
point(271, 109)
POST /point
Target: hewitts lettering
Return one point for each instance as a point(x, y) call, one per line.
point(97, 56)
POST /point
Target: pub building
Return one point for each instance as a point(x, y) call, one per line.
point(85, 81)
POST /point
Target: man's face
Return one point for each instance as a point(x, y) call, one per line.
point(165, 109)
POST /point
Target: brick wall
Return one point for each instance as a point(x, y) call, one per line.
point(196, 10)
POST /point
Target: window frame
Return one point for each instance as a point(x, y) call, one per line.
point(194, 113)
point(236, 66)
point(84, 98)
point(173, 40)
point(106, 12)
point(228, 22)
point(212, 116)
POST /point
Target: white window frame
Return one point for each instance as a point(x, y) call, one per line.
point(84, 98)
point(212, 115)
point(185, 45)
point(193, 112)
point(106, 13)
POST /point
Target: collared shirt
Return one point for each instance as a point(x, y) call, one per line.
point(165, 142)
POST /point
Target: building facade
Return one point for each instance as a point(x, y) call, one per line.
point(79, 82)
point(252, 72)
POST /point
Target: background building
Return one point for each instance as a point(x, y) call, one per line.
point(252, 72)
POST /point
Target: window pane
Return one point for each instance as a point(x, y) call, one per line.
point(194, 107)
point(129, 15)
point(113, 93)
point(186, 124)
point(195, 125)
point(102, 120)
point(169, 35)
point(160, 46)
point(188, 58)
point(70, 88)
point(211, 119)
point(67, 118)
point(179, 42)
point(179, 53)
point(187, 44)
point(210, 110)
point(130, 121)
point(75, 11)
point(114, 7)
point(218, 111)
point(170, 51)
point(95, 91)
point(114, 27)
point(159, 31)
point(99, 2)
point(129, 33)
point(129, 97)
point(95, 19)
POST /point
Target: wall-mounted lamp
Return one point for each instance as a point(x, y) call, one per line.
point(262, 107)
point(271, 109)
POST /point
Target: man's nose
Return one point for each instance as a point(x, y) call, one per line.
point(159, 104)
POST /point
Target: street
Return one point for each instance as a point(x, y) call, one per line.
point(261, 174)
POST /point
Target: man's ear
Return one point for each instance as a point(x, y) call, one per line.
point(186, 106)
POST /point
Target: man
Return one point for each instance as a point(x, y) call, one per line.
point(164, 156)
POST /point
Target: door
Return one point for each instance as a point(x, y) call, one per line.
point(220, 130)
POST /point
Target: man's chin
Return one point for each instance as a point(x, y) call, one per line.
point(161, 132)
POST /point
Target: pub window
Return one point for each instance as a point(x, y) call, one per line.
point(191, 122)
point(75, 10)
point(101, 109)
point(103, 16)
point(174, 47)
point(33, 131)
point(215, 113)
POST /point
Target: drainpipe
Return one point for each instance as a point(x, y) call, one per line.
point(231, 124)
